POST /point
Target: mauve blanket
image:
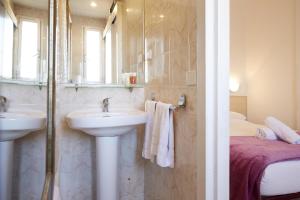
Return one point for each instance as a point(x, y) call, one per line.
point(249, 156)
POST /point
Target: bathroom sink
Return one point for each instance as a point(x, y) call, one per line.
point(106, 124)
point(107, 127)
point(14, 125)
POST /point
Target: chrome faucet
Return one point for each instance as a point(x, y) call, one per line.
point(105, 104)
point(3, 104)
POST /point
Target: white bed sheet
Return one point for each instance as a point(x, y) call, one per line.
point(279, 178)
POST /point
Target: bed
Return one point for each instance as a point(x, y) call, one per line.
point(279, 180)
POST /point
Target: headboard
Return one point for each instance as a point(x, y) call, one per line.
point(238, 104)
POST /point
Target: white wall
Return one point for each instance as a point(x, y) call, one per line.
point(263, 47)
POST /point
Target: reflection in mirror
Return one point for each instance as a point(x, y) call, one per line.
point(23, 64)
point(106, 42)
point(23, 54)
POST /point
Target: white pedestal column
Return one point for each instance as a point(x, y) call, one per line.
point(107, 168)
point(6, 169)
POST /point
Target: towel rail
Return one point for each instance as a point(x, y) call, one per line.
point(181, 102)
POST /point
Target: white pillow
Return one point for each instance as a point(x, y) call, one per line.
point(235, 115)
point(243, 128)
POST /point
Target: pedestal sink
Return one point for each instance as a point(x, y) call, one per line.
point(106, 127)
point(14, 125)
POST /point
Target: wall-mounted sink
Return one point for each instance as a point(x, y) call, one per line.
point(14, 125)
point(107, 127)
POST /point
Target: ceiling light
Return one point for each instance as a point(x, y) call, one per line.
point(161, 16)
point(93, 4)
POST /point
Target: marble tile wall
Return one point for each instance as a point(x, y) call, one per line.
point(170, 39)
point(76, 167)
point(30, 151)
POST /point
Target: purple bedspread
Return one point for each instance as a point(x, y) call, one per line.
point(249, 157)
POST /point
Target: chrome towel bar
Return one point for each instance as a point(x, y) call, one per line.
point(181, 102)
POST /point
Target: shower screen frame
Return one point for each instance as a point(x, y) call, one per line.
point(51, 90)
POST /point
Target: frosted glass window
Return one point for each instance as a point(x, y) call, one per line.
point(108, 58)
point(92, 56)
point(29, 50)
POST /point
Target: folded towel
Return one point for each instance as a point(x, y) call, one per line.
point(266, 133)
point(282, 131)
point(162, 144)
point(150, 110)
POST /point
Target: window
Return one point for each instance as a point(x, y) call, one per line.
point(6, 44)
point(29, 49)
point(92, 55)
point(108, 58)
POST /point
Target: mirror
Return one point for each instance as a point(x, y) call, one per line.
point(102, 45)
point(23, 107)
point(23, 30)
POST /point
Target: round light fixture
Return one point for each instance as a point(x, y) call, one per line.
point(93, 4)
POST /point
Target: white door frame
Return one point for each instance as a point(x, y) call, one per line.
point(213, 19)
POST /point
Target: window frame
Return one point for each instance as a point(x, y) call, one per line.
point(84, 54)
point(17, 66)
point(108, 31)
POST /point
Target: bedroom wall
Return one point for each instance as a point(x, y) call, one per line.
point(237, 46)
point(263, 47)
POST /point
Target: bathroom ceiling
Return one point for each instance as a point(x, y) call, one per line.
point(83, 7)
point(41, 4)
point(78, 7)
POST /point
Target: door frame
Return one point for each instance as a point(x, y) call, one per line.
point(213, 51)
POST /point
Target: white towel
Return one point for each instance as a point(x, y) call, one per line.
point(150, 110)
point(162, 144)
point(283, 131)
point(266, 133)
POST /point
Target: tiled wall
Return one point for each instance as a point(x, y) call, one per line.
point(76, 167)
point(29, 151)
point(170, 36)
